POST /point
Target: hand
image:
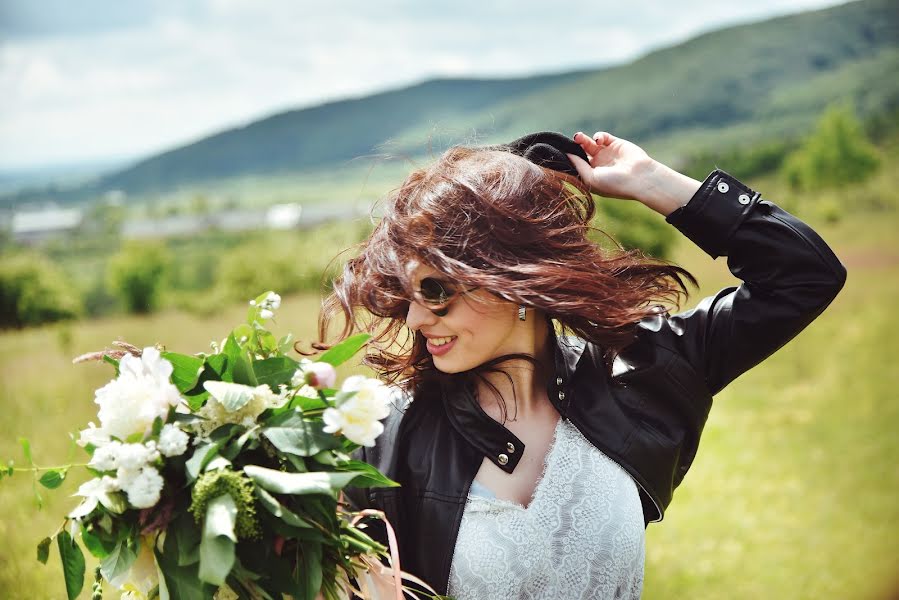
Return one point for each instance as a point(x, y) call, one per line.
point(616, 165)
point(618, 168)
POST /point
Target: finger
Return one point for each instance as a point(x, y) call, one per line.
point(584, 170)
point(589, 145)
point(603, 138)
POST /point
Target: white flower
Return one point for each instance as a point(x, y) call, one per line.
point(130, 403)
point(95, 491)
point(93, 435)
point(172, 441)
point(137, 583)
point(269, 304)
point(106, 457)
point(359, 415)
point(143, 487)
point(272, 301)
point(133, 457)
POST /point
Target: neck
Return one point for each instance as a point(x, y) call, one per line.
point(522, 384)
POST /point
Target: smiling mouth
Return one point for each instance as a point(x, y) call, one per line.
point(441, 345)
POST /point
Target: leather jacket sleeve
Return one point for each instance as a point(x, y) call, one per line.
point(789, 276)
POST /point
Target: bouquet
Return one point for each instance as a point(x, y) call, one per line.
point(219, 475)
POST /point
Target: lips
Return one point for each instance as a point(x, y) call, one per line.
point(441, 345)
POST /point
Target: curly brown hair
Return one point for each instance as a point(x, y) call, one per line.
point(488, 218)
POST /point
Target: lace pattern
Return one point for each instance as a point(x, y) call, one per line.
point(582, 535)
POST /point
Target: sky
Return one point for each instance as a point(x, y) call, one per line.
point(104, 80)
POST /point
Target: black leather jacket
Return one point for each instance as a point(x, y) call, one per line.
point(649, 414)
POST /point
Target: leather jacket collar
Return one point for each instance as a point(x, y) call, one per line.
point(486, 434)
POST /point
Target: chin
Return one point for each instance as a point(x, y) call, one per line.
point(450, 366)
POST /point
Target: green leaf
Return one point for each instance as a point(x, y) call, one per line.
point(43, 550)
point(238, 363)
point(309, 570)
point(232, 396)
point(267, 341)
point(271, 504)
point(26, 449)
point(186, 370)
point(72, 563)
point(179, 581)
point(218, 364)
point(275, 371)
point(96, 544)
point(343, 351)
point(120, 559)
point(318, 482)
point(242, 331)
point(217, 543)
point(53, 478)
point(197, 401)
point(304, 439)
point(285, 344)
point(113, 362)
point(205, 453)
point(368, 477)
point(186, 536)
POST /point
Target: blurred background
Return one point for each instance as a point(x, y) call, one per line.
point(161, 163)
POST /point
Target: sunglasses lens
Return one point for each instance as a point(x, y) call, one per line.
point(435, 292)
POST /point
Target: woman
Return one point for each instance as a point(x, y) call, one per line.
point(530, 461)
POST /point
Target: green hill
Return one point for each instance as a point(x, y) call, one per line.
point(739, 85)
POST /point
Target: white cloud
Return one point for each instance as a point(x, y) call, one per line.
point(142, 82)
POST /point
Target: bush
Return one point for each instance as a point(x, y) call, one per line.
point(837, 154)
point(633, 226)
point(34, 291)
point(287, 261)
point(136, 275)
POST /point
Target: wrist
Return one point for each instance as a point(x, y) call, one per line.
point(665, 190)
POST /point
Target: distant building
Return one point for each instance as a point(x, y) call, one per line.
point(32, 227)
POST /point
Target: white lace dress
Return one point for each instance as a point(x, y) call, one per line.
point(582, 536)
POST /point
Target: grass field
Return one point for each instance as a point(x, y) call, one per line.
point(793, 493)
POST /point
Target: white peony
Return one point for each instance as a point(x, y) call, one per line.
point(130, 403)
point(359, 416)
point(172, 441)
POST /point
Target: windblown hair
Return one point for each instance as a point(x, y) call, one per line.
point(492, 219)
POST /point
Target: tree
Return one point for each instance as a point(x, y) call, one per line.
point(137, 275)
point(836, 154)
point(33, 291)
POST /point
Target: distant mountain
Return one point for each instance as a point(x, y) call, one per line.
point(732, 86)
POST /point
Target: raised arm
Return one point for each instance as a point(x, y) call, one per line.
point(789, 273)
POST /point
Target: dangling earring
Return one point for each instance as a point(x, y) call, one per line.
point(521, 312)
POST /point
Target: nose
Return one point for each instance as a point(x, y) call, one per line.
point(418, 315)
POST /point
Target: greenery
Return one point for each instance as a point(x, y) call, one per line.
point(786, 464)
point(222, 468)
point(836, 155)
point(136, 274)
point(33, 291)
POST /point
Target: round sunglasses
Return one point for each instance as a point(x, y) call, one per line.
point(437, 294)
